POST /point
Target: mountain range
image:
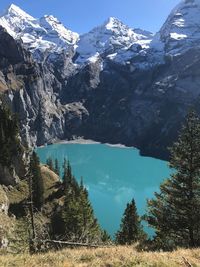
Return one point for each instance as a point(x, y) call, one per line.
point(113, 84)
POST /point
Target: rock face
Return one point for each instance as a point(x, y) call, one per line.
point(32, 91)
point(113, 84)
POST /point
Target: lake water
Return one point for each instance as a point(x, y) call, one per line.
point(112, 175)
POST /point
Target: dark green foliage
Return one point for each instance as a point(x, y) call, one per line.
point(53, 165)
point(57, 168)
point(49, 162)
point(37, 182)
point(105, 237)
point(9, 136)
point(69, 181)
point(67, 174)
point(130, 228)
point(174, 213)
point(76, 219)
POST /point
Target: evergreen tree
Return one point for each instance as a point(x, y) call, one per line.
point(69, 181)
point(67, 174)
point(38, 187)
point(78, 217)
point(174, 213)
point(49, 162)
point(57, 168)
point(9, 136)
point(130, 228)
point(105, 237)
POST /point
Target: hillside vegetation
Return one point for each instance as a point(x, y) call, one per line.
point(105, 257)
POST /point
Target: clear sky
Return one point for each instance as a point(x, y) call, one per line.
point(82, 15)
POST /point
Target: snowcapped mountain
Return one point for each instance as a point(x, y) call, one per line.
point(38, 35)
point(181, 29)
point(112, 38)
point(47, 35)
point(127, 86)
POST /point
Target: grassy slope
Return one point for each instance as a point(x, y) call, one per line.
point(19, 193)
point(104, 257)
point(50, 179)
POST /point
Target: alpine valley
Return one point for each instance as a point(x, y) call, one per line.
point(102, 99)
point(113, 84)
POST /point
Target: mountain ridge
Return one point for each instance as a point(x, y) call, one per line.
point(111, 37)
point(118, 92)
point(47, 33)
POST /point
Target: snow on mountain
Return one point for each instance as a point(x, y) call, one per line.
point(56, 30)
point(181, 29)
point(38, 35)
point(47, 35)
point(112, 38)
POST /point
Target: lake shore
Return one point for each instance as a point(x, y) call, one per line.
point(82, 141)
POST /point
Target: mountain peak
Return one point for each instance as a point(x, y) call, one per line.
point(38, 35)
point(112, 21)
point(17, 11)
point(112, 24)
point(56, 28)
point(13, 7)
point(51, 18)
point(181, 29)
point(111, 38)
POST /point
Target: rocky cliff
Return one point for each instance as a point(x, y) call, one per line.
point(113, 84)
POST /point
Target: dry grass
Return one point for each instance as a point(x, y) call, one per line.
point(103, 257)
point(3, 196)
point(18, 193)
point(50, 179)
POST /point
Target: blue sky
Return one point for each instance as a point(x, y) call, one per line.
point(83, 15)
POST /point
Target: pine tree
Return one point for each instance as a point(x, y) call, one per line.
point(69, 181)
point(57, 168)
point(130, 228)
point(105, 237)
point(67, 174)
point(49, 162)
point(174, 213)
point(78, 218)
point(9, 136)
point(37, 181)
point(89, 226)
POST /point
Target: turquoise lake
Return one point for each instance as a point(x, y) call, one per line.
point(113, 176)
